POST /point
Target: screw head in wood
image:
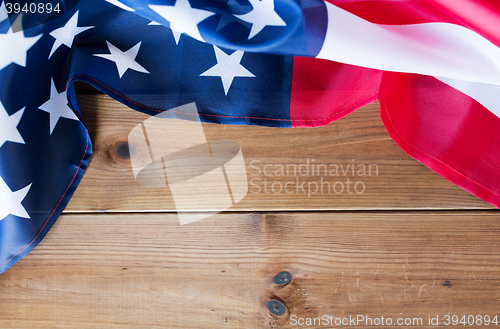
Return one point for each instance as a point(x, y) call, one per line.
point(276, 307)
point(282, 278)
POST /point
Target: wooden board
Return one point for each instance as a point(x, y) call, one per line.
point(395, 182)
point(147, 271)
point(118, 258)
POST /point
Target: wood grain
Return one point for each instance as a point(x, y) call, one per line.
point(147, 271)
point(400, 182)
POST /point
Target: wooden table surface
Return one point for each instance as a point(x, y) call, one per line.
point(410, 246)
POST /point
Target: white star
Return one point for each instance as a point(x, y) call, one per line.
point(124, 60)
point(57, 107)
point(8, 126)
point(65, 35)
point(262, 15)
point(120, 5)
point(183, 18)
point(3, 13)
point(177, 35)
point(10, 202)
point(227, 68)
point(14, 47)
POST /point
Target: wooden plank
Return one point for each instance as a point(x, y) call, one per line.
point(391, 179)
point(147, 271)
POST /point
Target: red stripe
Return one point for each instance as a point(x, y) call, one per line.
point(438, 125)
point(444, 129)
point(324, 91)
point(397, 12)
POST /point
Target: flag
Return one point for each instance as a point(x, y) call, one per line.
point(433, 64)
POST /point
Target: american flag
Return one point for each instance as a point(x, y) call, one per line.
point(433, 64)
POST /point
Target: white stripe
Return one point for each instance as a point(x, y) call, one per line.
point(485, 94)
point(436, 49)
